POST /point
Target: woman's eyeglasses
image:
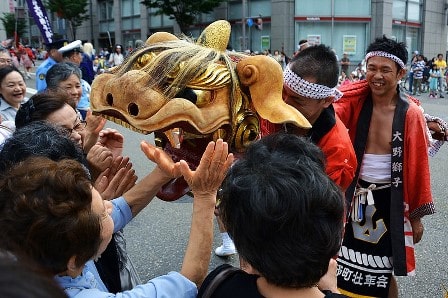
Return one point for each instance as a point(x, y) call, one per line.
point(77, 127)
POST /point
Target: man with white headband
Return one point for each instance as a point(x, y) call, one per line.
point(309, 85)
point(391, 191)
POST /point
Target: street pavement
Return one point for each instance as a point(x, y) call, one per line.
point(157, 237)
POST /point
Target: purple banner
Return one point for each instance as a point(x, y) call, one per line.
point(40, 17)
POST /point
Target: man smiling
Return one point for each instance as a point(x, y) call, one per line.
point(391, 191)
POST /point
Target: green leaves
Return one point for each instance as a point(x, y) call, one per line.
point(184, 12)
point(9, 23)
point(75, 12)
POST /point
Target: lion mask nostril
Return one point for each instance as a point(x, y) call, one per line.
point(110, 99)
point(133, 109)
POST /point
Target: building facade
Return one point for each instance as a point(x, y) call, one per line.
point(345, 25)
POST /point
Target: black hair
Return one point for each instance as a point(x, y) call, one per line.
point(38, 138)
point(317, 62)
point(283, 212)
point(390, 46)
point(61, 72)
point(40, 106)
point(6, 70)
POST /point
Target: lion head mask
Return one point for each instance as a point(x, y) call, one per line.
point(189, 93)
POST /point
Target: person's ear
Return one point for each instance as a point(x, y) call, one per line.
point(328, 101)
point(72, 269)
point(402, 73)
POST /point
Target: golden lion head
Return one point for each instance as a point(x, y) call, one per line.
point(189, 93)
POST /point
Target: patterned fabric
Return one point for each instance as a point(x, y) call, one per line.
point(365, 261)
point(435, 144)
point(307, 89)
point(417, 197)
point(386, 55)
point(418, 68)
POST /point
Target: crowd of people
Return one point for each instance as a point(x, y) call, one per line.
point(333, 211)
point(427, 76)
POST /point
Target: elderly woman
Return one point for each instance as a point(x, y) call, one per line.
point(64, 223)
point(52, 107)
point(40, 137)
point(56, 108)
point(12, 92)
point(106, 164)
point(285, 216)
point(67, 76)
point(5, 57)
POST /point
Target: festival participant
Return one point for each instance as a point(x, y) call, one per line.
point(67, 76)
point(38, 138)
point(391, 191)
point(73, 52)
point(309, 85)
point(5, 57)
point(62, 208)
point(286, 218)
point(12, 92)
point(53, 57)
point(117, 57)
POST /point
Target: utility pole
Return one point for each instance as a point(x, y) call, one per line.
point(243, 24)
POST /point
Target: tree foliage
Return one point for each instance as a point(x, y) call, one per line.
point(9, 23)
point(184, 12)
point(73, 11)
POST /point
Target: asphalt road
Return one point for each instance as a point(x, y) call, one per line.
point(157, 237)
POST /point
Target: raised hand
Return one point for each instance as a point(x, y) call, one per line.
point(116, 180)
point(113, 140)
point(210, 173)
point(90, 134)
point(165, 164)
point(100, 158)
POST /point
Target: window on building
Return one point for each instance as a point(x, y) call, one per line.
point(253, 8)
point(159, 21)
point(309, 8)
point(406, 10)
point(106, 18)
point(352, 8)
point(106, 10)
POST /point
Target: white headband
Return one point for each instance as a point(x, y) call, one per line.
point(307, 89)
point(305, 44)
point(386, 55)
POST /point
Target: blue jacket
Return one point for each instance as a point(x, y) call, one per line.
point(41, 73)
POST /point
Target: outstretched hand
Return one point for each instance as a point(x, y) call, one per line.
point(210, 173)
point(113, 140)
point(90, 134)
point(165, 163)
point(116, 179)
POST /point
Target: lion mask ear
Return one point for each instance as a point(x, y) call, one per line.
point(264, 77)
point(216, 36)
point(160, 37)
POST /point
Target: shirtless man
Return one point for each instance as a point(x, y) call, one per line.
point(391, 191)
